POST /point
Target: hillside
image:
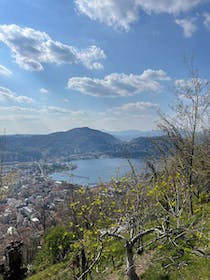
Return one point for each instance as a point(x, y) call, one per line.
point(78, 141)
point(143, 147)
point(60, 144)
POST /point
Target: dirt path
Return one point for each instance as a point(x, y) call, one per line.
point(143, 262)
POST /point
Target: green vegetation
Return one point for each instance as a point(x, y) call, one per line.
point(103, 222)
point(57, 244)
point(154, 226)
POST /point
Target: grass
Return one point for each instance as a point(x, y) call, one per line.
point(54, 272)
point(195, 268)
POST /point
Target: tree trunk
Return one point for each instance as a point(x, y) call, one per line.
point(83, 263)
point(131, 269)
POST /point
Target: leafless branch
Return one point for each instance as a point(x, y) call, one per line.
point(89, 269)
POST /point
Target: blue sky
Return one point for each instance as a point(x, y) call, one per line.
point(108, 64)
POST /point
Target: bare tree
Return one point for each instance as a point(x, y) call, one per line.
point(190, 118)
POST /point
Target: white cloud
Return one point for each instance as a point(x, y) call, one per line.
point(132, 110)
point(16, 109)
point(5, 71)
point(120, 14)
point(43, 90)
point(115, 84)
point(18, 119)
point(55, 110)
point(188, 26)
point(133, 115)
point(32, 48)
point(38, 111)
point(207, 20)
point(159, 75)
point(138, 106)
point(90, 57)
point(7, 94)
point(166, 6)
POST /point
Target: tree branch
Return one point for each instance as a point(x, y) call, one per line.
point(94, 261)
point(143, 233)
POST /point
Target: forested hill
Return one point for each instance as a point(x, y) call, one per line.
point(78, 141)
point(143, 147)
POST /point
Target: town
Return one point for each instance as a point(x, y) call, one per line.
point(32, 204)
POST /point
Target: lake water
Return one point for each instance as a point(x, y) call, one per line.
point(94, 171)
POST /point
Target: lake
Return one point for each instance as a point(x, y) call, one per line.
point(94, 171)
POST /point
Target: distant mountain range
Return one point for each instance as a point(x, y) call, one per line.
point(76, 143)
point(127, 135)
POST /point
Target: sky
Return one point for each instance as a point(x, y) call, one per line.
point(109, 65)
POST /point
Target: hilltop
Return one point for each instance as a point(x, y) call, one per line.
point(77, 142)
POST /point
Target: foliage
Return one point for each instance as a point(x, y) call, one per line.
point(191, 268)
point(128, 217)
point(166, 210)
point(56, 246)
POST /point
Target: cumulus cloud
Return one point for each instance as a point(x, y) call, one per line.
point(132, 110)
point(5, 71)
point(7, 94)
point(133, 115)
point(43, 90)
point(121, 14)
point(32, 48)
point(115, 84)
point(207, 20)
point(188, 26)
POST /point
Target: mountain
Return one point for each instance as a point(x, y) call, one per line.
point(60, 144)
point(142, 147)
point(75, 143)
point(147, 146)
point(127, 135)
point(82, 140)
